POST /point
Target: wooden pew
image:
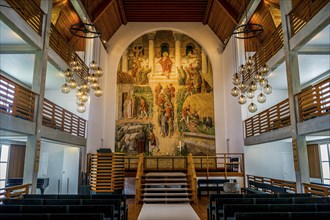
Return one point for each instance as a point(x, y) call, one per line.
point(210, 185)
point(255, 186)
point(281, 215)
point(52, 216)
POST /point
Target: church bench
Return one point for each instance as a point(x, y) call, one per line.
point(255, 186)
point(281, 215)
point(213, 197)
point(52, 216)
point(210, 185)
point(229, 210)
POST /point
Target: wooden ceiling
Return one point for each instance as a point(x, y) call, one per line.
point(222, 16)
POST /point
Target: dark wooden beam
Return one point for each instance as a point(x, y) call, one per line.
point(207, 11)
point(101, 9)
point(229, 11)
point(122, 11)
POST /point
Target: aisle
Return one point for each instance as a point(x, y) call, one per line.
point(175, 211)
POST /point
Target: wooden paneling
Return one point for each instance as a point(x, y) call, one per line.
point(16, 161)
point(314, 161)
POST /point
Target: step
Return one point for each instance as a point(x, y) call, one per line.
point(166, 179)
point(165, 189)
point(165, 194)
point(164, 200)
point(165, 174)
point(165, 184)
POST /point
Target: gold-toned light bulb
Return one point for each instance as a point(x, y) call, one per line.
point(252, 108)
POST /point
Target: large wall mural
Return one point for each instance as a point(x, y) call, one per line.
point(165, 102)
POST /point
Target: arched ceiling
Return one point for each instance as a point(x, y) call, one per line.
point(222, 16)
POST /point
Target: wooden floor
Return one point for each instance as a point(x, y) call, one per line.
point(200, 208)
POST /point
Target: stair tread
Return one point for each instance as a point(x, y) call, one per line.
point(166, 179)
point(164, 184)
point(167, 174)
point(165, 189)
point(165, 194)
point(166, 199)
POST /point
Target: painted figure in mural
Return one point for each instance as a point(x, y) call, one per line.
point(209, 123)
point(164, 125)
point(127, 108)
point(161, 110)
point(143, 108)
point(185, 114)
point(152, 141)
point(166, 63)
point(161, 97)
point(195, 120)
point(167, 92)
point(171, 126)
point(134, 106)
point(189, 89)
point(158, 89)
point(182, 75)
point(172, 90)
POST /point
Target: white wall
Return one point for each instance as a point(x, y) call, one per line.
point(270, 160)
point(117, 45)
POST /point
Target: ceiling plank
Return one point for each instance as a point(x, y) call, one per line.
point(207, 11)
point(122, 11)
point(101, 10)
point(229, 10)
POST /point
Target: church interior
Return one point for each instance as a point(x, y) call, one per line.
point(150, 110)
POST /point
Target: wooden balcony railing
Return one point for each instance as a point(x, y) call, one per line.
point(270, 47)
point(303, 13)
point(138, 179)
point(275, 117)
point(317, 189)
point(290, 186)
point(19, 102)
point(14, 192)
point(57, 117)
point(314, 101)
point(192, 178)
point(16, 100)
point(30, 12)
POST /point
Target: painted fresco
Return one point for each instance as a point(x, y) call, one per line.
point(165, 102)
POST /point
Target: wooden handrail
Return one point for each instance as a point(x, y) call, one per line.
point(138, 179)
point(30, 12)
point(192, 177)
point(275, 117)
point(314, 101)
point(15, 192)
point(289, 185)
point(316, 189)
point(303, 12)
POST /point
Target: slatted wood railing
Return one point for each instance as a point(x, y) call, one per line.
point(290, 186)
point(14, 192)
point(314, 101)
point(269, 48)
point(165, 163)
point(316, 189)
point(16, 100)
point(192, 177)
point(303, 13)
point(107, 172)
point(275, 117)
point(30, 12)
point(138, 179)
point(59, 118)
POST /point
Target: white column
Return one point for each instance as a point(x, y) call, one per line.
point(151, 38)
point(204, 62)
point(177, 38)
point(124, 62)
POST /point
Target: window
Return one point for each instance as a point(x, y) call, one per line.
point(325, 162)
point(4, 149)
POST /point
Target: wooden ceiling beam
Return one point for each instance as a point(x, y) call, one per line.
point(122, 11)
point(207, 11)
point(229, 10)
point(101, 9)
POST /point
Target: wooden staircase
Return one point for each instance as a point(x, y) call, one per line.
point(165, 187)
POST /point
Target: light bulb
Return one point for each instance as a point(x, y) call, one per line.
point(261, 98)
point(84, 87)
point(264, 69)
point(79, 92)
point(98, 92)
point(242, 99)
point(68, 73)
point(81, 108)
point(84, 97)
point(72, 84)
point(95, 85)
point(235, 92)
point(242, 69)
point(252, 108)
point(236, 79)
point(243, 87)
point(263, 82)
point(91, 77)
point(76, 68)
point(79, 102)
point(250, 94)
point(267, 89)
point(93, 65)
point(73, 63)
point(99, 72)
point(249, 61)
point(65, 88)
point(253, 86)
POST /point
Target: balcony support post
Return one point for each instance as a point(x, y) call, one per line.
point(31, 164)
point(299, 146)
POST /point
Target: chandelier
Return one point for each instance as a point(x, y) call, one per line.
point(246, 89)
point(85, 85)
